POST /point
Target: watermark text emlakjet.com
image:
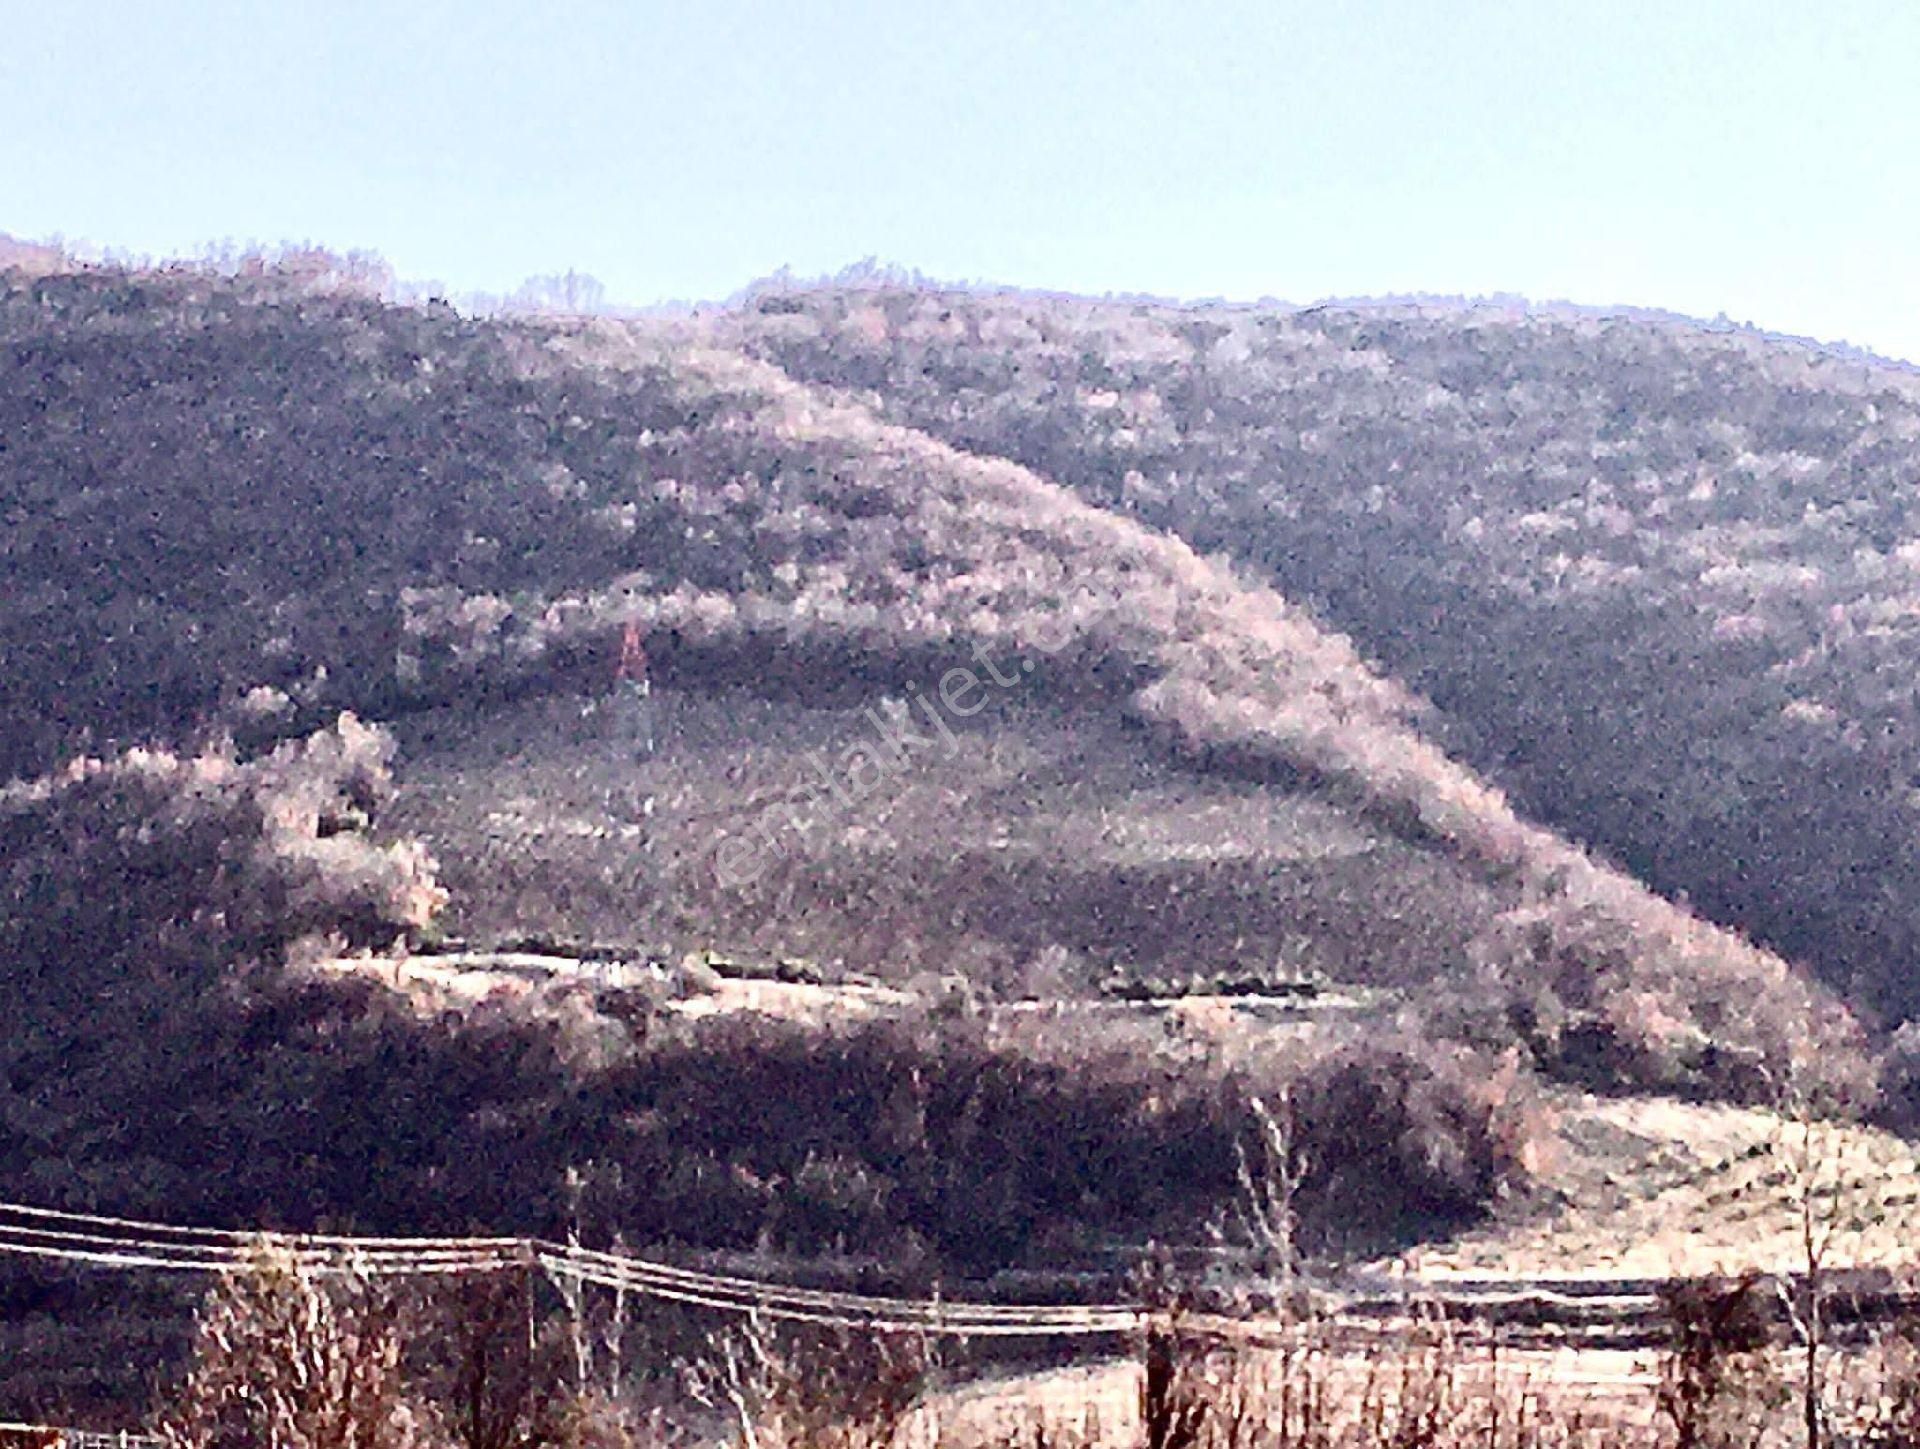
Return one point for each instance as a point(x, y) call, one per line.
point(900, 731)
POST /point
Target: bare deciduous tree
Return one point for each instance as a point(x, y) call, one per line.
point(1270, 1181)
point(294, 1357)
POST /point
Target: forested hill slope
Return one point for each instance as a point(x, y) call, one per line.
point(1662, 580)
point(247, 504)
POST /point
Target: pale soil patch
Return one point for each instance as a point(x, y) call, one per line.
point(794, 1001)
point(437, 983)
point(1087, 1404)
point(1242, 1031)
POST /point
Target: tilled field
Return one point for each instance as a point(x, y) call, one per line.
point(1022, 842)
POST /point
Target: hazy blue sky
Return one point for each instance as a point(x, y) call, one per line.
point(1757, 158)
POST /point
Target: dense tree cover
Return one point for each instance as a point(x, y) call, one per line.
point(253, 503)
point(152, 876)
point(1661, 579)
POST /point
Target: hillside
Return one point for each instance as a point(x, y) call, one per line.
point(922, 712)
point(249, 504)
point(1659, 579)
point(1647, 1189)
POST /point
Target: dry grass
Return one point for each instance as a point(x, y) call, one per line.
point(1314, 1387)
point(1646, 1188)
point(306, 1362)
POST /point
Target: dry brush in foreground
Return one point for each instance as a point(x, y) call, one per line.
point(303, 1358)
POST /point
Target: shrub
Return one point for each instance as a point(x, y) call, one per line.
point(824, 1389)
point(1404, 1136)
point(166, 871)
point(295, 1358)
point(1716, 1390)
